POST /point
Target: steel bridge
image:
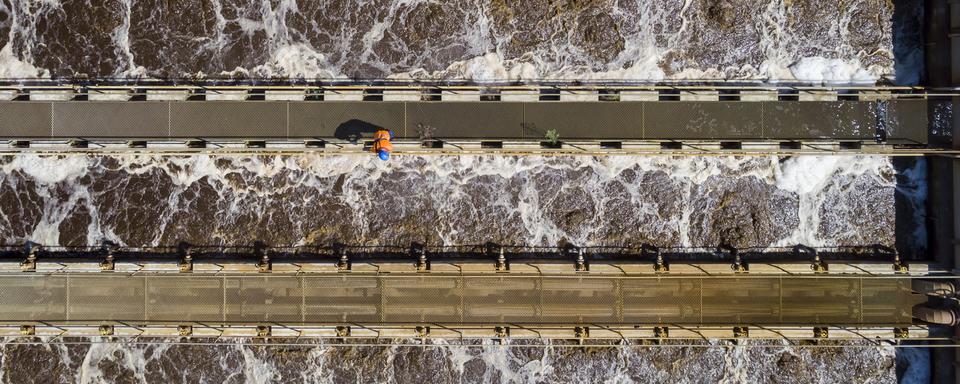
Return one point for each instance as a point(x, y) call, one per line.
point(455, 292)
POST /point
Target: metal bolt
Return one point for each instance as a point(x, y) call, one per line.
point(821, 332)
point(581, 332)
point(264, 265)
point(741, 332)
point(501, 261)
point(422, 265)
point(422, 331)
point(661, 332)
point(581, 261)
point(344, 263)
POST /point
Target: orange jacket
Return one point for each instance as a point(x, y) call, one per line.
point(381, 140)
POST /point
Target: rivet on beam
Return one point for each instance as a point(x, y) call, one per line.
point(738, 266)
point(343, 261)
point(186, 258)
point(581, 332)
point(264, 331)
point(108, 264)
point(502, 264)
point(821, 332)
point(264, 265)
point(901, 333)
point(28, 330)
point(661, 332)
point(581, 262)
point(30, 263)
point(741, 332)
point(420, 252)
point(660, 263)
point(816, 264)
point(422, 331)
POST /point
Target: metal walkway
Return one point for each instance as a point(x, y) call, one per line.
point(898, 121)
point(449, 299)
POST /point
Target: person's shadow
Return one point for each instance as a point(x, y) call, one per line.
point(352, 130)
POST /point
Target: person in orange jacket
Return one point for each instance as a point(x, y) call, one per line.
point(381, 144)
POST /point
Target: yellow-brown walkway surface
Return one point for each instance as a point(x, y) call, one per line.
point(453, 299)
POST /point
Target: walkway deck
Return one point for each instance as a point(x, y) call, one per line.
point(904, 121)
point(495, 299)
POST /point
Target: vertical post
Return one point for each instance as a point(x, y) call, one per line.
point(383, 299)
point(700, 280)
point(780, 291)
point(860, 298)
point(618, 283)
point(303, 299)
point(223, 308)
point(146, 300)
point(66, 315)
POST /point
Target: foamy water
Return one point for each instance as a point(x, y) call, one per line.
point(478, 40)
point(152, 200)
point(144, 200)
point(441, 361)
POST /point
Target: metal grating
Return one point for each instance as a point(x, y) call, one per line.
point(694, 120)
point(455, 299)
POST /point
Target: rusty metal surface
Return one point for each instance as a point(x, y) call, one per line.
point(453, 299)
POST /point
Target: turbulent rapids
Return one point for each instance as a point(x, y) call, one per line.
point(470, 362)
point(139, 199)
point(148, 200)
point(480, 40)
point(142, 200)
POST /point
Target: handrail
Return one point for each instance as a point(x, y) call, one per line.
point(81, 89)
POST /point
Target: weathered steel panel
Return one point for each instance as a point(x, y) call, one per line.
point(702, 120)
point(344, 119)
point(840, 120)
point(228, 119)
point(454, 299)
point(464, 120)
point(25, 119)
point(584, 120)
point(907, 121)
point(111, 119)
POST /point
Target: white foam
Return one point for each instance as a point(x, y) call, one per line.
point(48, 169)
point(130, 357)
point(249, 187)
point(12, 67)
point(810, 177)
point(257, 371)
point(23, 19)
point(121, 41)
point(296, 60)
point(819, 69)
